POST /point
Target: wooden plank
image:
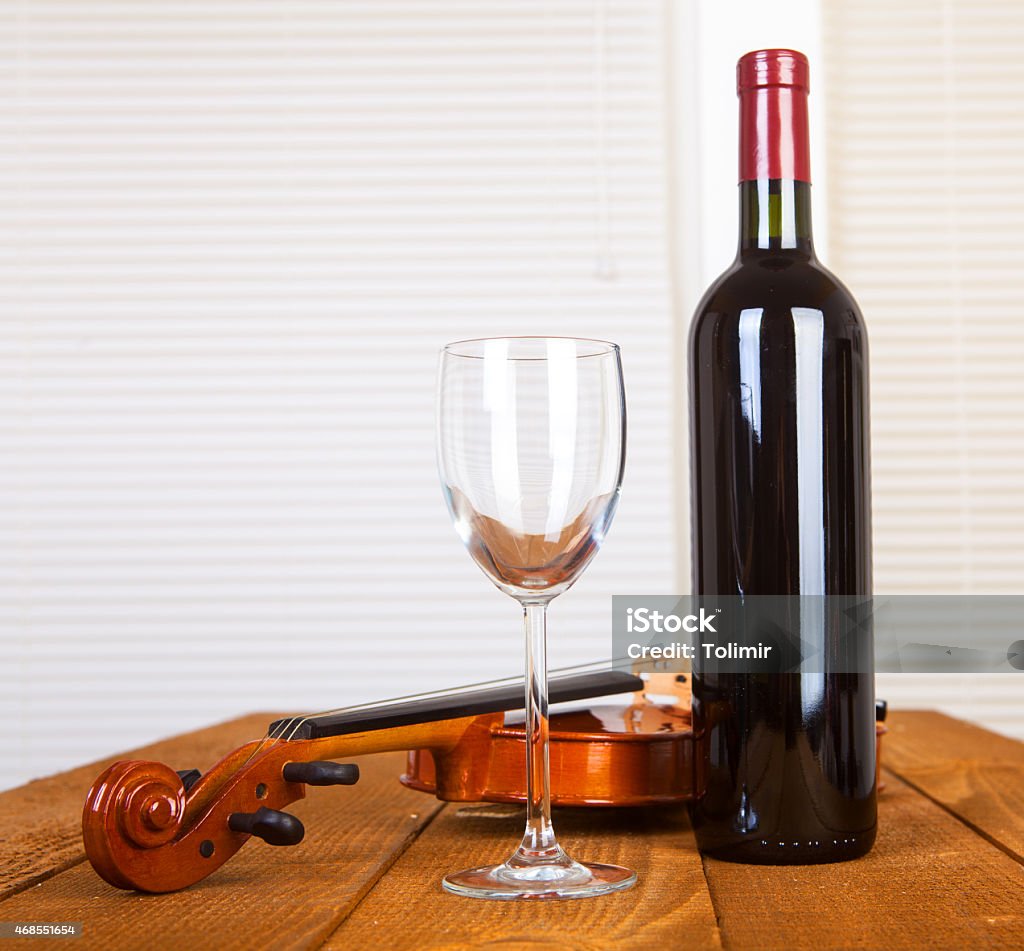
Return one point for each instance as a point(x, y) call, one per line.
point(976, 774)
point(669, 908)
point(41, 822)
point(930, 882)
point(265, 897)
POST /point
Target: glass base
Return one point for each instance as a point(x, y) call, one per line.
point(507, 883)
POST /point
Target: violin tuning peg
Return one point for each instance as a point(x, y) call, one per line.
point(273, 827)
point(189, 777)
point(322, 773)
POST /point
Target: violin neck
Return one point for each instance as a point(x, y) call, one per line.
point(438, 737)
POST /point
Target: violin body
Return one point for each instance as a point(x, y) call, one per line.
point(639, 754)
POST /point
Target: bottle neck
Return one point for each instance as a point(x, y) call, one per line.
point(775, 215)
point(775, 160)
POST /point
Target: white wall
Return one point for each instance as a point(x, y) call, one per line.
point(235, 235)
point(927, 206)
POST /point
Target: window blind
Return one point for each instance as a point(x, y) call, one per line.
point(233, 237)
point(927, 209)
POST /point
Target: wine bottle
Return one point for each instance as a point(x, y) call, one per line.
point(781, 504)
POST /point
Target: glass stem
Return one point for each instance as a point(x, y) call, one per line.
point(539, 846)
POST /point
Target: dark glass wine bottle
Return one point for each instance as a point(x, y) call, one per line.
point(781, 503)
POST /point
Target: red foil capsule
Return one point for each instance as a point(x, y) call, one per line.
point(773, 86)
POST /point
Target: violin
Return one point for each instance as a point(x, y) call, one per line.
point(149, 828)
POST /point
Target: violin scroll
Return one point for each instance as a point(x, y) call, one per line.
point(138, 803)
point(148, 828)
point(152, 802)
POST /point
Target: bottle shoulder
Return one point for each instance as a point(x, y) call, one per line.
point(774, 285)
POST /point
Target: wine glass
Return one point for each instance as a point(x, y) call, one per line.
point(531, 447)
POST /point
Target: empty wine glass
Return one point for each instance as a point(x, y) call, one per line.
point(531, 446)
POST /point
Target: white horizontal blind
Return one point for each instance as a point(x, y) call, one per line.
point(233, 236)
point(927, 211)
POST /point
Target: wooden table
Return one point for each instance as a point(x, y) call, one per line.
point(946, 871)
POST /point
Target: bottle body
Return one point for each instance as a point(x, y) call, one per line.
point(780, 501)
point(781, 505)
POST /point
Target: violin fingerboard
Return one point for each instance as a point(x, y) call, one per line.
point(471, 703)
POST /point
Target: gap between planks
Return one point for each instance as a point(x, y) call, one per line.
point(977, 830)
point(975, 775)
